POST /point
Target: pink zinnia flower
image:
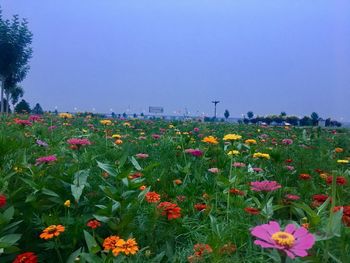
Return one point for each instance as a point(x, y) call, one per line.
point(258, 169)
point(155, 136)
point(287, 141)
point(142, 155)
point(78, 141)
point(292, 197)
point(293, 241)
point(51, 128)
point(196, 129)
point(213, 170)
point(289, 167)
point(34, 118)
point(194, 152)
point(23, 122)
point(238, 164)
point(46, 159)
point(266, 186)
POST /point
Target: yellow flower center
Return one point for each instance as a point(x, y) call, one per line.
point(283, 239)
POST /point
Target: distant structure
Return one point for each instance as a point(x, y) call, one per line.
point(215, 102)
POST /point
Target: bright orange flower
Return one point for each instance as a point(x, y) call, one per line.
point(210, 140)
point(127, 247)
point(110, 242)
point(172, 211)
point(152, 197)
point(52, 231)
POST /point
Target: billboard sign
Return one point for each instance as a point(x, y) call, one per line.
point(153, 109)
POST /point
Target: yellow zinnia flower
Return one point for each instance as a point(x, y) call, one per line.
point(233, 152)
point(210, 140)
point(67, 203)
point(343, 161)
point(116, 136)
point(250, 141)
point(232, 137)
point(106, 122)
point(261, 155)
point(65, 115)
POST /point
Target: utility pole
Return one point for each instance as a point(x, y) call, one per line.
point(215, 102)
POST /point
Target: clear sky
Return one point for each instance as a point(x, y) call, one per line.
point(266, 56)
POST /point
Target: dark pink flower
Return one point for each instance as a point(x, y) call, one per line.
point(194, 152)
point(266, 186)
point(292, 197)
point(79, 142)
point(287, 141)
point(293, 241)
point(46, 159)
point(238, 164)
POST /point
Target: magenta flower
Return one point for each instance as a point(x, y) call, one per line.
point(46, 159)
point(155, 136)
point(194, 152)
point(292, 197)
point(34, 118)
point(287, 141)
point(142, 155)
point(238, 164)
point(79, 142)
point(293, 241)
point(258, 169)
point(266, 186)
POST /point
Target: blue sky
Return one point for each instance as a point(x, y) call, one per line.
point(260, 55)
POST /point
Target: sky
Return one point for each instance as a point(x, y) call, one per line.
point(266, 56)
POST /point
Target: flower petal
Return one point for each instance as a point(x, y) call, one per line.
point(290, 228)
point(305, 242)
point(300, 232)
point(261, 233)
point(264, 244)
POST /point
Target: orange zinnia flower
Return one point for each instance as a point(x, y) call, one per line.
point(210, 140)
point(152, 197)
point(127, 247)
point(110, 242)
point(52, 231)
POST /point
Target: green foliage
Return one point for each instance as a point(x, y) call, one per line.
point(22, 107)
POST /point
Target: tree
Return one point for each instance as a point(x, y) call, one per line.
point(226, 114)
point(15, 51)
point(22, 107)
point(37, 109)
point(283, 114)
point(314, 117)
point(250, 114)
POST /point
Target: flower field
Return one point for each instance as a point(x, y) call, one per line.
point(86, 189)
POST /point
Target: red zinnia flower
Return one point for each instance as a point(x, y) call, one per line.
point(93, 224)
point(341, 180)
point(2, 200)
point(346, 214)
point(236, 191)
point(200, 207)
point(252, 210)
point(172, 211)
point(304, 176)
point(27, 257)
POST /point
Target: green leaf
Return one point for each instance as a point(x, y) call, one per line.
point(49, 192)
point(74, 255)
point(112, 171)
point(8, 214)
point(314, 218)
point(91, 243)
point(135, 163)
point(9, 240)
point(103, 219)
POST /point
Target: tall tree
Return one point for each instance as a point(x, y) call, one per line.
point(22, 107)
point(226, 114)
point(37, 109)
point(314, 117)
point(250, 114)
point(15, 51)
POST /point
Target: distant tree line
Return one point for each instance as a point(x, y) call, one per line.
point(312, 120)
